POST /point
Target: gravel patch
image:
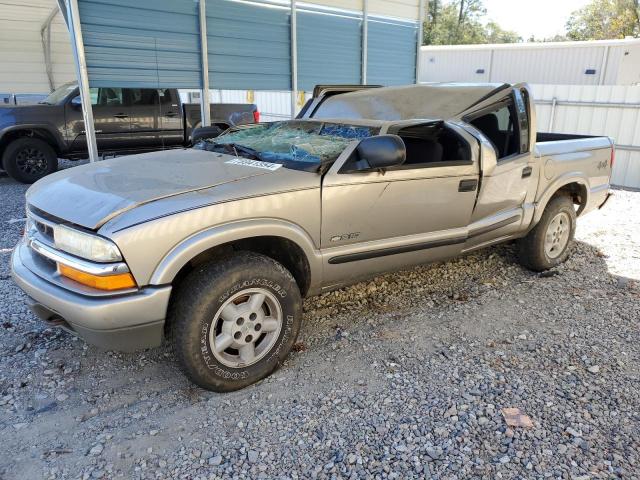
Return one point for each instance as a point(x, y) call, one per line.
point(404, 376)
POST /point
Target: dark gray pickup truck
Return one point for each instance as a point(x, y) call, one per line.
point(127, 120)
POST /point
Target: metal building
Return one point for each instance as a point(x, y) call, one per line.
point(606, 62)
point(35, 52)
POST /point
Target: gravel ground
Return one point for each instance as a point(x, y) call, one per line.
point(404, 376)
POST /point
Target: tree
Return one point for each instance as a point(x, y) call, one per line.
point(605, 19)
point(461, 22)
point(496, 34)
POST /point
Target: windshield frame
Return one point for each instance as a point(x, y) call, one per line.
point(60, 95)
point(310, 161)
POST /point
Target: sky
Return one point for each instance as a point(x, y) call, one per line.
point(542, 18)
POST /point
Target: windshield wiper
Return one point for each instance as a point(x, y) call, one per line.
point(236, 147)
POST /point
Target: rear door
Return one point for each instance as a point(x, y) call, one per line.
point(171, 129)
point(508, 168)
point(145, 117)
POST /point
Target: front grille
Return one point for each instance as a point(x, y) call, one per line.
point(46, 230)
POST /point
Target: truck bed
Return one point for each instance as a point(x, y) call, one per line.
point(554, 137)
point(225, 114)
point(548, 144)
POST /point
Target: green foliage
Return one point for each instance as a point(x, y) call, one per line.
point(458, 22)
point(605, 19)
point(495, 34)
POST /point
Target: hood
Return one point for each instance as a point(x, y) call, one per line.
point(15, 114)
point(92, 194)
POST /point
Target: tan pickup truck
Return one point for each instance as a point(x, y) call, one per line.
point(215, 246)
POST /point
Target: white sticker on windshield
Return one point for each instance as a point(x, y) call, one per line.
point(246, 162)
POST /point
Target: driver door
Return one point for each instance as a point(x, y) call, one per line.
point(374, 222)
point(111, 117)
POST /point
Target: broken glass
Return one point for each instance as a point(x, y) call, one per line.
point(300, 145)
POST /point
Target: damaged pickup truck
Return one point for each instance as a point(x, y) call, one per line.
point(215, 246)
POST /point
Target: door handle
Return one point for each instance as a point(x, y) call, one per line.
point(171, 114)
point(468, 185)
point(526, 172)
point(121, 115)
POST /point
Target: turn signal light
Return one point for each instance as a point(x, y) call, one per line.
point(118, 281)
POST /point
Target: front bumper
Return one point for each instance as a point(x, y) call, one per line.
point(126, 322)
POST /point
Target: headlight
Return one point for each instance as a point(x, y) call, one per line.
point(85, 245)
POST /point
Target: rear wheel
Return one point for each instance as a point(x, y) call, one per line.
point(235, 320)
point(28, 159)
point(548, 244)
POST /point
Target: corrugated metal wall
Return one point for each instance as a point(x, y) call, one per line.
point(553, 65)
point(22, 65)
point(574, 113)
point(575, 63)
point(329, 47)
point(401, 9)
point(391, 59)
point(156, 43)
point(149, 43)
point(248, 44)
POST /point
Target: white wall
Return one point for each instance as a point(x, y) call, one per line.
point(22, 65)
point(616, 62)
point(622, 123)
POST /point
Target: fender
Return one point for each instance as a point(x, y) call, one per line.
point(52, 130)
point(204, 240)
point(564, 179)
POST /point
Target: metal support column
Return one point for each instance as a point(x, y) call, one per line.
point(204, 50)
point(552, 115)
point(45, 37)
point(77, 45)
point(420, 38)
point(365, 40)
point(294, 59)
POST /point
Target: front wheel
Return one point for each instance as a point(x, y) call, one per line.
point(28, 159)
point(235, 320)
point(548, 244)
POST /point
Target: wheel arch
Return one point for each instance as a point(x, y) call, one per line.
point(284, 242)
point(574, 186)
point(42, 132)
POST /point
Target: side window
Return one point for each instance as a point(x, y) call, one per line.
point(142, 96)
point(106, 96)
point(165, 96)
point(501, 127)
point(430, 145)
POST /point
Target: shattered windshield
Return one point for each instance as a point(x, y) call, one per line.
point(307, 146)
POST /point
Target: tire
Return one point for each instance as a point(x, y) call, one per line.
point(229, 285)
point(28, 159)
point(559, 221)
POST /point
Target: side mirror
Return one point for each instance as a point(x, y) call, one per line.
point(379, 152)
point(204, 132)
point(76, 101)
